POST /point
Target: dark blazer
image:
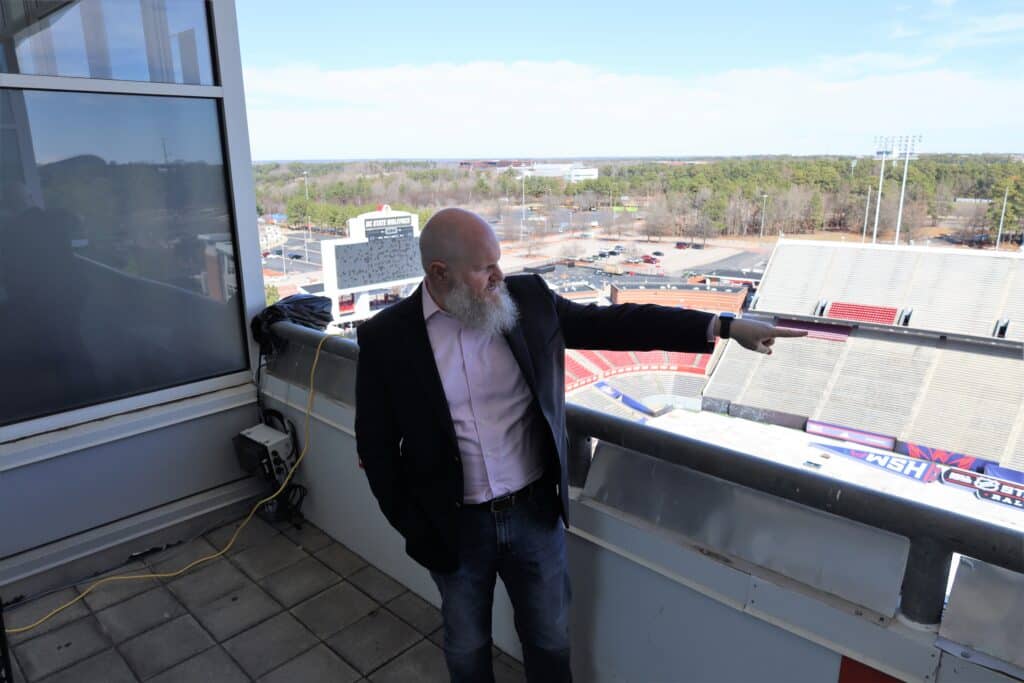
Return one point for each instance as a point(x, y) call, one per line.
point(404, 431)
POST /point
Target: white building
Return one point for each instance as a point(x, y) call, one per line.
point(376, 265)
point(571, 173)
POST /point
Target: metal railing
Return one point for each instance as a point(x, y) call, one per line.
point(934, 533)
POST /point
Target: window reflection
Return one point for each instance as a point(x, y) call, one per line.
point(164, 41)
point(117, 272)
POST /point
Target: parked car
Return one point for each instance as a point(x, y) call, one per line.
point(657, 253)
point(279, 252)
point(681, 245)
point(295, 256)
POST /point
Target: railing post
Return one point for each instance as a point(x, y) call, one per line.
point(923, 593)
point(580, 454)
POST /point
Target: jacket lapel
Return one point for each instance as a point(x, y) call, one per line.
point(517, 342)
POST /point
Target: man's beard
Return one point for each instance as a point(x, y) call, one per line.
point(491, 316)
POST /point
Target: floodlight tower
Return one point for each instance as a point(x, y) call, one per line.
point(908, 143)
point(883, 148)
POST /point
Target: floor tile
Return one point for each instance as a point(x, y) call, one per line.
point(423, 663)
point(327, 613)
point(376, 584)
point(314, 666)
point(302, 580)
point(340, 559)
point(267, 558)
point(269, 645)
point(141, 613)
point(208, 583)
point(233, 613)
point(309, 537)
point(213, 665)
point(504, 673)
point(106, 667)
point(417, 612)
point(374, 640)
point(256, 532)
point(164, 646)
point(113, 592)
point(28, 613)
point(61, 648)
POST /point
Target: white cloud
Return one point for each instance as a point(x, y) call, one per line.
point(944, 3)
point(563, 109)
point(984, 31)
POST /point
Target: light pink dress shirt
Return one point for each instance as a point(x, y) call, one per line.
point(489, 402)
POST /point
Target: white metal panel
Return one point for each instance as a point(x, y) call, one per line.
point(985, 610)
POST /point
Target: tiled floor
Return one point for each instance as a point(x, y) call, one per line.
point(284, 605)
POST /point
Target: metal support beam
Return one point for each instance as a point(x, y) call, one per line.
point(924, 581)
point(579, 455)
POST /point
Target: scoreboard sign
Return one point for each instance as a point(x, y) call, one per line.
point(394, 222)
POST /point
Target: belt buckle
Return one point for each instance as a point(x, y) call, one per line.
point(503, 503)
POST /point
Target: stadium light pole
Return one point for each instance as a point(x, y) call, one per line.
point(867, 213)
point(764, 207)
point(522, 217)
point(305, 233)
point(908, 148)
point(881, 177)
point(1002, 216)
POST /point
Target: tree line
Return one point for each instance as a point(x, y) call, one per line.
point(728, 196)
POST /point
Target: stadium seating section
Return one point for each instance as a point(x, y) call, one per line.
point(949, 290)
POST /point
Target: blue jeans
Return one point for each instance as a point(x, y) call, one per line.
point(525, 546)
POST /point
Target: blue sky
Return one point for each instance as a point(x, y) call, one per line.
point(342, 80)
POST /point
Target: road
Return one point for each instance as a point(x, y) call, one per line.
point(309, 251)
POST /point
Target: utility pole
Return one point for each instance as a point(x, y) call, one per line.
point(867, 212)
point(999, 235)
point(884, 144)
point(305, 233)
point(908, 143)
point(764, 207)
point(522, 219)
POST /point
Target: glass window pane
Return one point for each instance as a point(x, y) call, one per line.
point(117, 267)
point(164, 41)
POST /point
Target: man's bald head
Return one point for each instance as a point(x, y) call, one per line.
point(451, 235)
point(459, 249)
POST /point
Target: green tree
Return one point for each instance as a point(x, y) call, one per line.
point(272, 295)
point(1012, 222)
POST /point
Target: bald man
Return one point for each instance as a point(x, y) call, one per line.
point(460, 425)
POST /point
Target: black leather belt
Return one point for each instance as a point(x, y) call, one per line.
point(507, 501)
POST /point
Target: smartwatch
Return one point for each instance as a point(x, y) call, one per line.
point(724, 324)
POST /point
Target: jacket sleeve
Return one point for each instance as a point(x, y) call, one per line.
point(631, 327)
point(377, 432)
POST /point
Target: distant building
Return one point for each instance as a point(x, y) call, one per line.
point(375, 266)
point(571, 173)
point(704, 297)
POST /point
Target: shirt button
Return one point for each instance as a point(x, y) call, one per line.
point(458, 504)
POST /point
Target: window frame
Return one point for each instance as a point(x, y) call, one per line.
point(229, 99)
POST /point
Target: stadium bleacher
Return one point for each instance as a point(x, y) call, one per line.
point(949, 290)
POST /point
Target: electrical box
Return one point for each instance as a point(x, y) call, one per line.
point(266, 450)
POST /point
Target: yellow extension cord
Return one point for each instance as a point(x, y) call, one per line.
point(201, 560)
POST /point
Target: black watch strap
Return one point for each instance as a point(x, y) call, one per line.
point(725, 325)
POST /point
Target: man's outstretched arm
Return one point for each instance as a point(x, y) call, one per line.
point(639, 327)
